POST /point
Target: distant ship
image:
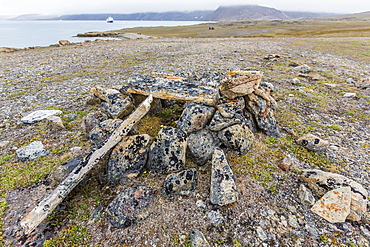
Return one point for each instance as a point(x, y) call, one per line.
point(110, 19)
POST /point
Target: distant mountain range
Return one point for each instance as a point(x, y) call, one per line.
point(222, 13)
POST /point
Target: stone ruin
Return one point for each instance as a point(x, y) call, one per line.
point(221, 114)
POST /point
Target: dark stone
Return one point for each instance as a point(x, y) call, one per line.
point(201, 145)
point(195, 117)
point(101, 132)
point(92, 119)
point(167, 153)
point(228, 114)
point(182, 183)
point(131, 206)
point(128, 159)
point(64, 170)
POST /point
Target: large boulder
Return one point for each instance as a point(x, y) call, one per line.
point(167, 153)
point(32, 151)
point(322, 182)
point(201, 145)
point(237, 137)
point(115, 103)
point(223, 182)
point(195, 117)
point(181, 183)
point(128, 159)
point(240, 83)
point(131, 206)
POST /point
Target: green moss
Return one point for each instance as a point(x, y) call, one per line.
point(74, 235)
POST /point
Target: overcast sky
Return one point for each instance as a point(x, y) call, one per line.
point(18, 7)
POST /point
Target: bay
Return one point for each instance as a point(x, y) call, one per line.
point(21, 34)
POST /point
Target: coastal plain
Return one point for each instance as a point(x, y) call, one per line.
point(268, 212)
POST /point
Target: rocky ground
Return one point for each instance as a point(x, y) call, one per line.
point(268, 211)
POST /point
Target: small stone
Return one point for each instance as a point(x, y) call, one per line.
point(201, 204)
point(195, 117)
point(182, 183)
point(128, 159)
point(240, 83)
point(73, 149)
point(295, 81)
point(93, 101)
point(201, 145)
point(167, 153)
point(363, 83)
point(4, 144)
point(32, 151)
point(197, 239)
point(131, 206)
point(65, 42)
point(312, 142)
point(39, 115)
point(261, 233)
point(349, 95)
point(305, 195)
point(223, 184)
point(285, 164)
point(335, 205)
point(303, 68)
point(55, 122)
point(269, 86)
point(215, 217)
point(293, 221)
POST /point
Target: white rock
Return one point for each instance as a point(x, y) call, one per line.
point(32, 151)
point(335, 205)
point(349, 95)
point(39, 115)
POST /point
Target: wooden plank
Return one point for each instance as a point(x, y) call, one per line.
point(175, 88)
point(49, 203)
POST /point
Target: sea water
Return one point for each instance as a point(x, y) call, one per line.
point(21, 34)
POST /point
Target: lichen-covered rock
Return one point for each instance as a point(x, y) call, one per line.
point(195, 117)
point(55, 122)
point(240, 83)
point(65, 169)
point(322, 182)
point(175, 88)
point(32, 151)
point(223, 182)
point(181, 183)
point(167, 153)
point(115, 103)
point(92, 119)
point(334, 206)
point(229, 114)
point(303, 68)
point(197, 239)
point(262, 106)
point(128, 159)
point(312, 142)
point(237, 137)
point(101, 132)
point(131, 206)
point(39, 115)
point(201, 145)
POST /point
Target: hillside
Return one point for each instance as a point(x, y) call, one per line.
point(223, 13)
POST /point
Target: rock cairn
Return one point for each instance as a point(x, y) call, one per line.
point(221, 114)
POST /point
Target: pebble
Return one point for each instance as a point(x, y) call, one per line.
point(349, 95)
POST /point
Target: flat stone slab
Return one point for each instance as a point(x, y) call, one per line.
point(39, 115)
point(32, 151)
point(175, 88)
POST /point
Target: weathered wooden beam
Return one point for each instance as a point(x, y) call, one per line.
point(49, 203)
point(175, 88)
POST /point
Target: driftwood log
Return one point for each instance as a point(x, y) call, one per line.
point(49, 203)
